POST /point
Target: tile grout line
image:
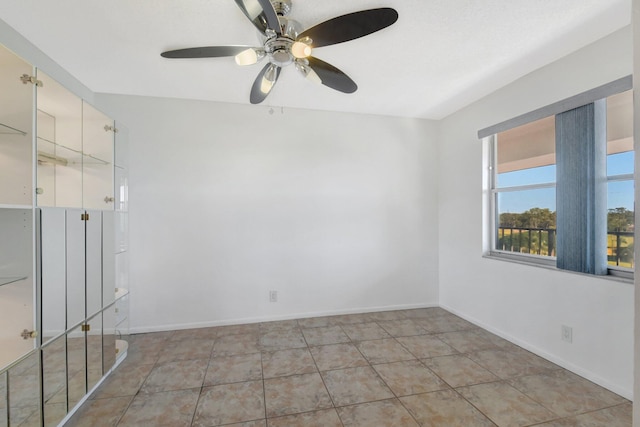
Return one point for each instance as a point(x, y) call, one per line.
point(137, 392)
point(474, 406)
point(333, 403)
point(389, 387)
point(204, 378)
point(264, 390)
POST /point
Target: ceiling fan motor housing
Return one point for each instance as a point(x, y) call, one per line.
point(278, 49)
point(282, 7)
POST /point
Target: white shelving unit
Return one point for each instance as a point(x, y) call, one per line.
point(63, 252)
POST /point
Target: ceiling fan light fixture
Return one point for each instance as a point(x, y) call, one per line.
point(266, 85)
point(301, 49)
point(269, 79)
point(249, 56)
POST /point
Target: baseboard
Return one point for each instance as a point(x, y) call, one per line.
point(245, 320)
point(627, 394)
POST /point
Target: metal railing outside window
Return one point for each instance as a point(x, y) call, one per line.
point(542, 242)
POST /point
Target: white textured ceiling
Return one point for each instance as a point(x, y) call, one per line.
point(438, 57)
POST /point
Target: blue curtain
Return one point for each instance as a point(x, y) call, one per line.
point(581, 189)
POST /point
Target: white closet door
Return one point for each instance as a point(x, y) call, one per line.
point(75, 267)
point(53, 256)
point(94, 262)
point(109, 244)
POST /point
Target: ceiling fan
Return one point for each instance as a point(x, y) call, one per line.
point(284, 42)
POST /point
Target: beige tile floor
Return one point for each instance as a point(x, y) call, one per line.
point(423, 367)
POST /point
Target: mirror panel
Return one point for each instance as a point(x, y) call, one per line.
point(93, 262)
point(108, 338)
point(54, 381)
point(16, 112)
point(75, 266)
point(24, 391)
point(4, 401)
point(76, 366)
point(16, 284)
point(53, 276)
point(108, 257)
point(94, 351)
point(122, 325)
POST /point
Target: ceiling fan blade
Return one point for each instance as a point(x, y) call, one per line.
point(205, 52)
point(331, 76)
point(263, 84)
point(261, 14)
point(351, 26)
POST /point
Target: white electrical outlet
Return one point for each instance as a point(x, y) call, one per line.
point(567, 333)
point(273, 296)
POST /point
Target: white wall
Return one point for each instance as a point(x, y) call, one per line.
point(527, 304)
point(334, 211)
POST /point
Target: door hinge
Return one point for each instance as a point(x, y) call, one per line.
point(84, 217)
point(26, 78)
point(86, 328)
point(108, 128)
point(26, 334)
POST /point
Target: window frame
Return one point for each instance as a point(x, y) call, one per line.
point(616, 270)
point(494, 191)
point(490, 136)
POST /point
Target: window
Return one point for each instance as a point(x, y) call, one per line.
point(524, 189)
point(620, 189)
point(562, 188)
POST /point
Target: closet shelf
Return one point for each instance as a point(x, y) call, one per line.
point(8, 280)
point(87, 159)
point(46, 158)
point(91, 160)
point(5, 206)
point(57, 144)
point(8, 130)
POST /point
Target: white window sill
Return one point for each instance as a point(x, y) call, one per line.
point(550, 264)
